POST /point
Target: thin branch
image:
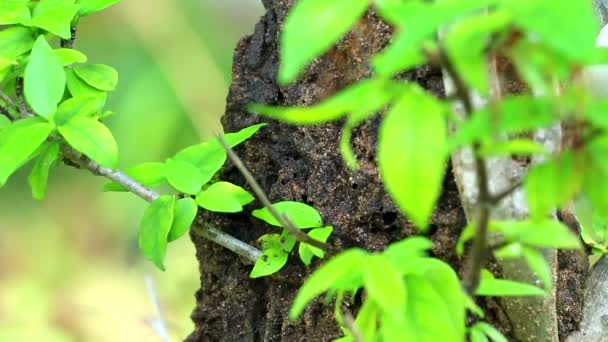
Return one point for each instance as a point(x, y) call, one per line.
point(495, 199)
point(158, 323)
point(69, 43)
point(257, 190)
point(479, 249)
point(349, 323)
point(21, 104)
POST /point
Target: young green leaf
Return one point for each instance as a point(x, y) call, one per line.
point(490, 286)
point(40, 173)
point(100, 76)
point(367, 319)
point(552, 183)
point(307, 251)
point(208, 156)
point(224, 197)
point(55, 16)
point(14, 12)
point(91, 6)
point(301, 42)
point(235, 138)
point(539, 265)
point(18, 142)
point(149, 174)
point(412, 154)
point(15, 41)
point(273, 256)
point(92, 138)
point(344, 265)
point(70, 56)
point(43, 79)
point(517, 147)
point(154, 229)
point(4, 122)
point(545, 233)
point(76, 107)
point(184, 214)
point(78, 87)
point(385, 285)
point(301, 215)
point(183, 176)
point(415, 246)
point(288, 241)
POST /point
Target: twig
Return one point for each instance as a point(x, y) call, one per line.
point(479, 249)
point(158, 323)
point(349, 323)
point(69, 43)
point(257, 190)
point(495, 199)
point(21, 104)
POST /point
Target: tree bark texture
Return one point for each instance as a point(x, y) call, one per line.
point(304, 164)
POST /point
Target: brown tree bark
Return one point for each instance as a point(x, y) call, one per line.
point(303, 164)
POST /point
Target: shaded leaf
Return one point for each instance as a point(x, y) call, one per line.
point(154, 229)
point(55, 16)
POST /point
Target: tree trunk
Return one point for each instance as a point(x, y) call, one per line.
point(304, 164)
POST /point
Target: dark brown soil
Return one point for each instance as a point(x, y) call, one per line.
point(303, 164)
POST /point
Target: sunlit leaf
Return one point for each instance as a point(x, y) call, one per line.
point(55, 16)
point(224, 197)
point(92, 138)
point(38, 178)
point(183, 176)
point(184, 213)
point(301, 41)
point(70, 56)
point(301, 215)
point(306, 251)
point(15, 40)
point(43, 79)
point(385, 285)
point(490, 286)
point(100, 76)
point(154, 229)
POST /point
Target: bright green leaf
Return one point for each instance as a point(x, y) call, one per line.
point(14, 12)
point(489, 331)
point(92, 138)
point(78, 87)
point(539, 265)
point(100, 76)
point(18, 142)
point(301, 215)
point(4, 122)
point(546, 233)
point(301, 41)
point(184, 214)
point(43, 79)
point(400, 252)
point(344, 265)
point(154, 229)
point(224, 197)
point(414, 133)
point(273, 256)
point(76, 107)
point(208, 156)
point(15, 41)
point(385, 285)
point(38, 178)
point(55, 16)
point(367, 319)
point(490, 286)
point(306, 251)
point(70, 56)
point(235, 138)
point(513, 147)
point(288, 241)
point(183, 176)
point(149, 174)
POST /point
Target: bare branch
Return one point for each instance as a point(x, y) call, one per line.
point(259, 193)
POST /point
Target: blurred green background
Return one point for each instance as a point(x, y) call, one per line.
point(69, 265)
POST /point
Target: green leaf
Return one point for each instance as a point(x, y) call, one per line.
point(414, 133)
point(539, 265)
point(78, 87)
point(18, 142)
point(38, 178)
point(306, 251)
point(301, 215)
point(362, 97)
point(465, 45)
point(183, 176)
point(91, 6)
point(489, 331)
point(415, 246)
point(367, 319)
point(14, 12)
point(76, 107)
point(513, 147)
point(545, 233)
point(301, 41)
point(467, 233)
point(344, 265)
point(184, 214)
point(490, 286)
point(15, 41)
point(154, 229)
point(92, 138)
point(55, 16)
point(100, 76)
point(385, 285)
point(149, 174)
point(288, 241)
point(273, 256)
point(552, 184)
point(4, 122)
point(43, 79)
point(208, 156)
point(70, 56)
point(224, 197)
point(477, 336)
point(236, 138)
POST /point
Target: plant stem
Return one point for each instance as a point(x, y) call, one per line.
point(261, 195)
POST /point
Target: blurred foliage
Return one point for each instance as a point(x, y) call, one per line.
point(67, 273)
